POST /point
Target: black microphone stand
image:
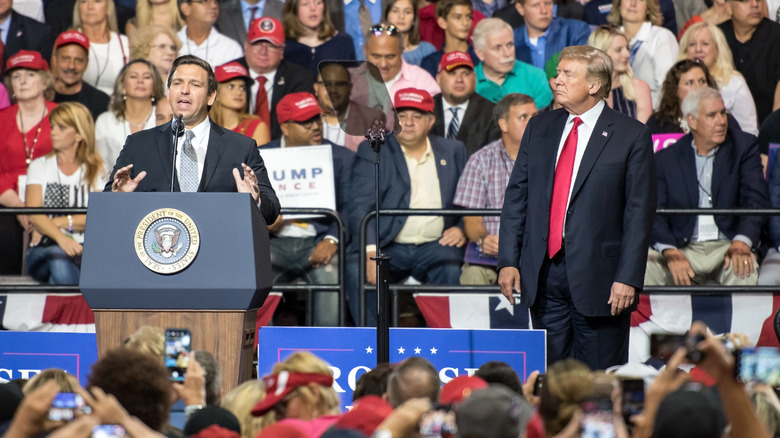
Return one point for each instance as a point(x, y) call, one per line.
point(178, 130)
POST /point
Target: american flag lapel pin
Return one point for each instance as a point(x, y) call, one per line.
point(603, 133)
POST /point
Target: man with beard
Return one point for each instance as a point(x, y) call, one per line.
point(71, 56)
point(459, 102)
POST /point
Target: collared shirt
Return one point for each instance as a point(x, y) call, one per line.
point(412, 76)
point(269, 88)
point(448, 114)
point(200, 142)
point(524, 78)
point(246, 11)
point(585, 130)
point(5, 26)
point(425, 193)
point(537, 48)
point(352, 22)
point(484, 180)
point(217, 49)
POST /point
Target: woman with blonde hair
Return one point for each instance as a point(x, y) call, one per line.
point(651, 46)
point(159, 45)
point(230, 110)
point(163, 13)
point(65, 381)
point(629, 95)
point(706, 43)
point(138, 87)
point(108, 50)
point(63, 178)
point(240, 401)
point(567, 383)
point(311, 36)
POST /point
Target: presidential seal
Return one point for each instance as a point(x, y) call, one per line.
point(166, 241)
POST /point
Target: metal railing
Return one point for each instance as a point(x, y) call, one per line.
point(704, 290)
point(309, 289)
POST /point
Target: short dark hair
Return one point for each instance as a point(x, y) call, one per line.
point(443, 7)
point(402, 386)
point(194, 60)
point(500, 372)
point(373, 382)
point(501, 110)
point(213, 375)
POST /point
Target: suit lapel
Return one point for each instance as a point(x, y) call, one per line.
point(444, 170)
point(598, 139)
point(547, 148)
point(472, 113)
point(400, 165)
point(279, 84)
point(213, 155)
point(438, 109)
point(164, 148)
point(686, 160)
point(15, 35)
point(719, 166)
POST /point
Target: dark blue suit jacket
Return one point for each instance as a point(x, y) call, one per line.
point(610, 215)
point(151, 151)
point(395, 186)
point(342, 165)
point(562, 32)
point(737, 182)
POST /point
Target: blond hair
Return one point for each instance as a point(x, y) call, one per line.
point(65, 381)
point(723, 68)
point(240, 401)
point(566, 385)
point(143, 15)
point(599, 66)
point(148, 339)
point(327, 401)
point(653, 14)
point(142, 41)
point(78, 117)
point(602, 38)
point(110, 16)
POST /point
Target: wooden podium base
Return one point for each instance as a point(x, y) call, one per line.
point(227, 334)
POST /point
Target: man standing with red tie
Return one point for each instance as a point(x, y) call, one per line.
point(577, 217)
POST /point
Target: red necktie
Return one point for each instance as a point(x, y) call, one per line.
point(561, 185)
point(261, 102)
point(2, 55)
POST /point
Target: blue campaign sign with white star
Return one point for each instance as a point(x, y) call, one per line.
point(352, 351)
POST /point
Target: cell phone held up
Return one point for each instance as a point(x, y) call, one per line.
point(66, 406)
point(178, 348)
point(598, 418)
point(758, 365)
point(663, 346)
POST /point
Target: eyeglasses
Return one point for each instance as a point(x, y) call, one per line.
point(205, 2)
point(165, 46)
point(332, 84)
point(380, 29)
point(309, 124)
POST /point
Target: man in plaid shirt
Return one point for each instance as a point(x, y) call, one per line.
point(483, 184)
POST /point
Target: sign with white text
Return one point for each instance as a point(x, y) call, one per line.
point(302, 176)
point(25, 354)
point(351, 352)
point(663, 141)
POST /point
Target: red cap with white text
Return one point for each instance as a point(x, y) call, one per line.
point(413, 98)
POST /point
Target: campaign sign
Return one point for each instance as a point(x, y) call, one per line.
point(25, 354)
point(352, 351)
point(302, 176)
point(663, 141)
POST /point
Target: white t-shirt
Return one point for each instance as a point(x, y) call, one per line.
point(44, 172)
point(106, 61)
point(111, 133)
point(217, 49)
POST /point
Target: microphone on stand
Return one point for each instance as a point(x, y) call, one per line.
point(177, 126)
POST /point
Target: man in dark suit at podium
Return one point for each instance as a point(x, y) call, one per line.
point(210, 158)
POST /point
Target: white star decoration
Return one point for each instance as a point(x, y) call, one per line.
point(504, 303)
point(434, 350)
point(369, 350)
point(417, 350)
point(401, 350)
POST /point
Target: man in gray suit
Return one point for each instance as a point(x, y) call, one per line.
point(236, 15)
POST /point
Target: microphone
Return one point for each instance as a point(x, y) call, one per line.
point(177, 126)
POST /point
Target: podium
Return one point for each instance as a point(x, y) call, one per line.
point(129, 277)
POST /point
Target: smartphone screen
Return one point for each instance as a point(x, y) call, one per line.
point(758, 364)
point(633, 397)
point(598, 418)
point(438, 422)
point(538, 384)
point(65, 406)
point(177, 353)
point(108, 431)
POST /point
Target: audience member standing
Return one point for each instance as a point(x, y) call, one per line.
point(63, 179)
point(108, 50)
point(652, 47)
point(163, 13)
point(544, 34)
point(137, 88)
point(754, 40)
point(200, 38)
point(69, 62)
point(26, 136)
point(706, 43)
point(403, 15)
point(311, 37)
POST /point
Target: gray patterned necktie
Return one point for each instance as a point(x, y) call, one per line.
point(188, 165)
point(452, 131)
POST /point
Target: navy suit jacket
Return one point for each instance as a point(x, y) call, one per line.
point(231, 19)
point(737, 182)
point(26, 33)
point(478, 127)
point(610, 214)
point(395, 185)
point(342, 165)
point(561, 33)
point(152, 151)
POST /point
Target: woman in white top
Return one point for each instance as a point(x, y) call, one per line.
point(652, 47)
point(132, 108)
point(63, 178)
point(108, 50)
point(705, 42)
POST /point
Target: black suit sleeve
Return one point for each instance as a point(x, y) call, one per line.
point(269, 203)
point(515, 208)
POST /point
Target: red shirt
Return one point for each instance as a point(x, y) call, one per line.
point(14, 158)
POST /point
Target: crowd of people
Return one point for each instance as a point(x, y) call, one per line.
point(128, 391)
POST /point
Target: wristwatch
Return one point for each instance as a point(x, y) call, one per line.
point(479, 245)
point(332, 241)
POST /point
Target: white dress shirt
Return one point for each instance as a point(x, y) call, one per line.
point(269, 88)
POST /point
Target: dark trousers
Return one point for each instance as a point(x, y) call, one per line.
point(600, 342)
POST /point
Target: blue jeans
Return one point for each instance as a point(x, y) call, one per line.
point(290, 261)
point(51, 264)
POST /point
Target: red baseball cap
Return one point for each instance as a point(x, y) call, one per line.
point(367, 414)
point(231, 70)
point(26, 59)
point(452, 60)
point(277, 386)
point(459, 388)
point(268, 29)
point(413, 98)
point(298, 107)
point(72, 37)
